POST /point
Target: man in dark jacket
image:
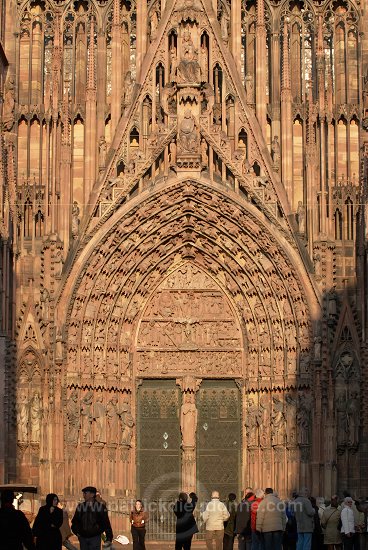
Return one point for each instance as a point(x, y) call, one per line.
point(90, 521)
point(243, 527)
point(14, 527)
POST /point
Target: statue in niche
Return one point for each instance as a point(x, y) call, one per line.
point(9, 105)
point(173, 63)
point(300, 217)
point(99, 416)
point(75, 220)
point(102, 149)
point(253, 422)
point(188, 420)
point(35, 418)
point(168, 99)
point(204, 152)
point(188, 70)
point(317, 348)
point(153, 24)
point(224, 23)
point(342, 419)
point(332, 303)
point(278, 429)
point(303, 415)
point(22, 417)
point(249, 87)
point(275, 150)
point(73, 417)
point(204, 62)
point(86, 417)
point(290, 420)
point(172, 153)
point(127, 424)
point(353, 416)
point(188, 134)
point(45, 302)
point(128, 89)
point(112, 420)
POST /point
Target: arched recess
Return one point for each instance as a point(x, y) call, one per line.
point(123, 266)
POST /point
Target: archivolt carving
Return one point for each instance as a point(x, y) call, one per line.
point(233, 260)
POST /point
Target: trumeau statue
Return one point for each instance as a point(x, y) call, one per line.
point(188, 420)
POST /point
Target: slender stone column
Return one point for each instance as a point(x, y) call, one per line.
point(91, 130)
point(116, 76)
point(261, 64)
point(236, 32)
point(141, 33)
point(286, 120)
point(188, 426)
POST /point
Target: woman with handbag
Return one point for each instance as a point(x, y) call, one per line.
point(330, 522)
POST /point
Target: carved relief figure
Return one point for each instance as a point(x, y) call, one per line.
point(173, 63)
point(127, 424)
point(22, 417)
point(102, 148)
point(35, 418)
point(188, 134)
point(303, 418)
point(75, 220)
point(128, 88)
point(73, 417)
point(86, 417)
point(99, 415)
point(9, 104)
point(188, 420)
point(275, 150)
point(172, 153)
point(300, 214)
point(353, 417)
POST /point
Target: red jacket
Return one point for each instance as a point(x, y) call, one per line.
point(253, 513)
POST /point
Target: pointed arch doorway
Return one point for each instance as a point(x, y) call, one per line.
point(188, 354)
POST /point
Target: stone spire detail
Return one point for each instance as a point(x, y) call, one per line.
point(116, 13)
point(285, 83)
point(260, 13)
point(91, 84)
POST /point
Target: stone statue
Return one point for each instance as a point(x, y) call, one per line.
point(204, 63)
point(102, 148)
point(35, 418)
point(249, 87)
point(173, 63)
point(300, 214)
point(127, 424)
point(188, 70)
point(45, 302)
point(204, 152)
point(275, 150)
point(353, 417)
point(153, 24)
point(252, 423)
point(303, 415)
point(9, 105)
point(342, 419)
point(290, 420)
point(75, 220)
point(99, 416)
point(188, 135)
point(112, 420)
point(86, 417)
point(172, 153)
point(224, 26)
point(188, 420)
point(128, 88)
point(278, 429)
point(22, 417)
point(317, 348)
point(73, 417)
point(168, 99)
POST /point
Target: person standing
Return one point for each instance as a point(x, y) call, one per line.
point(90, 520)
point(271, 520)
point(14, 527)
point(257, 540)
point(186, 525)
point(138, 522)
point(304, 515)
point(46, 526)
point(243, 518)
point(329, 522)
point(229, 530)
point(214, 516)
point(348, 524)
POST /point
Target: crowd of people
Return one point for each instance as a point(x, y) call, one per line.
point(260, 521)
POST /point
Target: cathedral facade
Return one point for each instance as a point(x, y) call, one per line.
point(183, 257)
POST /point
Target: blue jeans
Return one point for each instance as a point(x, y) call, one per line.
point(304, 541)
point(244, 544)
point(257, 541)
point(272, 540)
point(91, 543)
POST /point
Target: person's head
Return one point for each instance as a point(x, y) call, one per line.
point(248, 491)
point(138, 505)
point(193, 497)
point(259, 493)
point(215, 494)
point(304, 492)
point(334, 501)
point(89, 493)
point(348, 502)
point(183, 497)
point(52, 500)
point(7, 497)
point(232, 497)
point(268, 491)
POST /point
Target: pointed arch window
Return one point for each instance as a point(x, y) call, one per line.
point(349, 219)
